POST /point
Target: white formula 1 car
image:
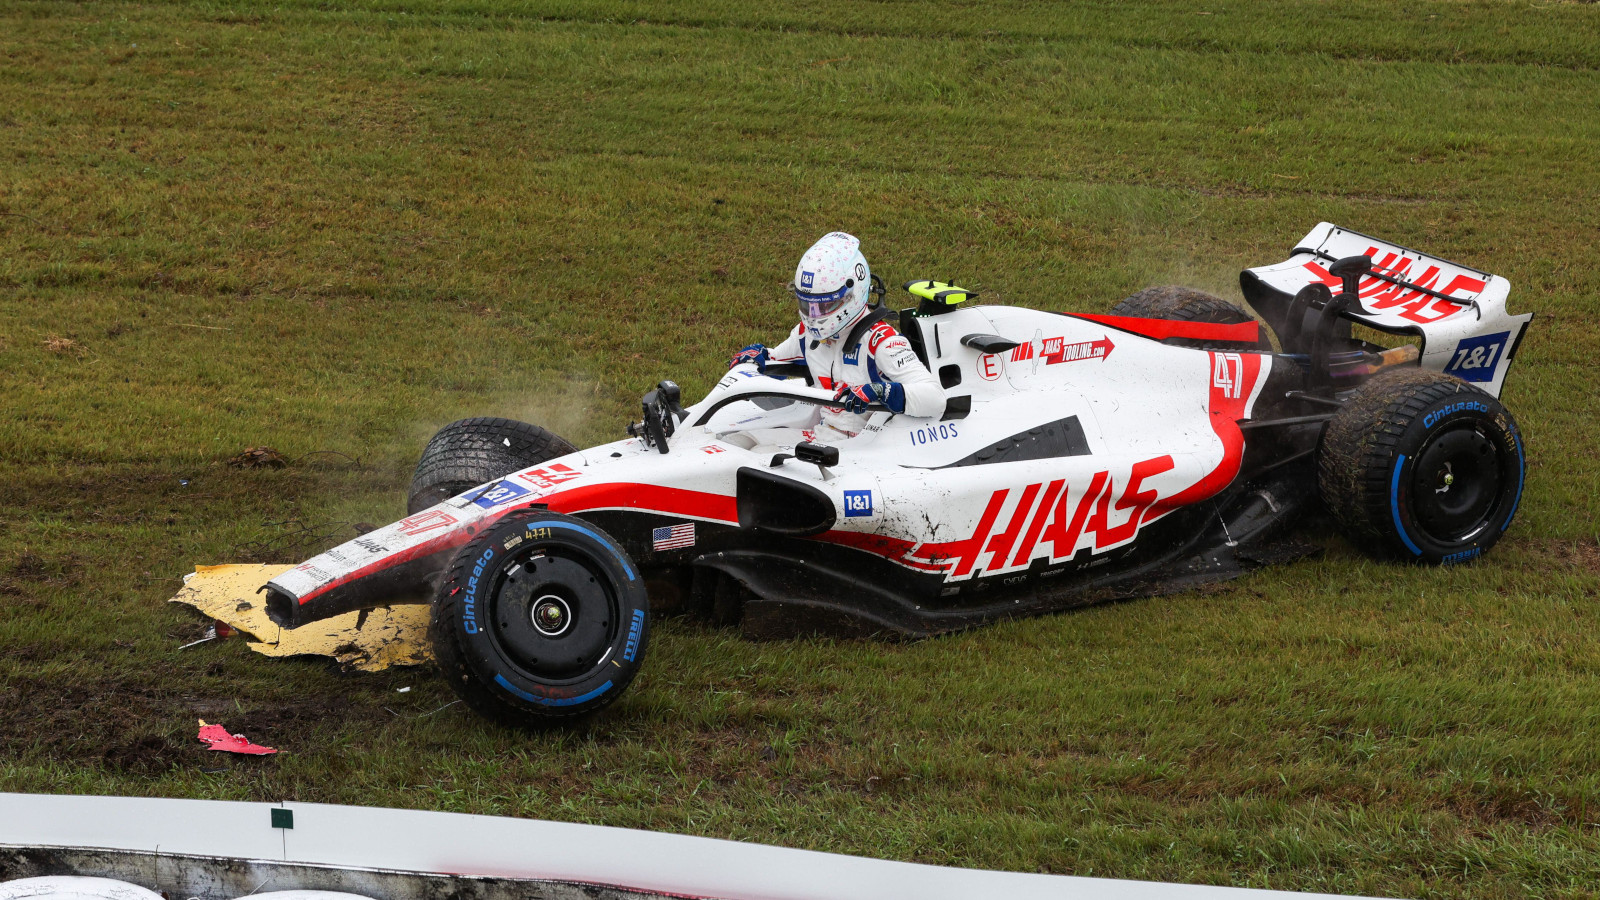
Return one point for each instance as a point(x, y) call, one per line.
point(1080, 458)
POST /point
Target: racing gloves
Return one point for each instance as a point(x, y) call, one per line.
point(854, 398)
point(755, 353)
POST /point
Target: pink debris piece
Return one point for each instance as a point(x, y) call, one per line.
point(219, 739)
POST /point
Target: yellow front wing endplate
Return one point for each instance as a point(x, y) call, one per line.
point(367, 642)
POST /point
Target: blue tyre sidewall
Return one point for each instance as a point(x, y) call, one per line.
point(487, 660)
point(1437, 418)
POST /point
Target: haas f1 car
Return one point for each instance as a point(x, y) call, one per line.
point(1079, 458)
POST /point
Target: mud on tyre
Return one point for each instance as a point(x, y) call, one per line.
point(539, 619)
point(1422, 466)
point(471, 452)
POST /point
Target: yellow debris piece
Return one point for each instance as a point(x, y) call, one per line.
point(367, 642)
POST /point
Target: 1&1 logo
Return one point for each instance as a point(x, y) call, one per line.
point(1475, 359)
point(857, 503)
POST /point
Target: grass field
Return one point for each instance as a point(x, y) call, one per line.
point(334, 227)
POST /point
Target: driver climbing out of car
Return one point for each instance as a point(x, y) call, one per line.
point(844, 342)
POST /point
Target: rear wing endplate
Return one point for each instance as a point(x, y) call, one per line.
point(1459, 313)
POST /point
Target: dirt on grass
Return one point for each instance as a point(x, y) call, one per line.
point(130, 726)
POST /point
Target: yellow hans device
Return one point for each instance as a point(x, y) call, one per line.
point(939, 292)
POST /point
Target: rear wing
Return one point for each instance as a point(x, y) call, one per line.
point(1459, 313)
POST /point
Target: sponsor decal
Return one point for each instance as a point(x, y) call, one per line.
point(370, 545)
point(1227, 374)
point(857, 504)
point(806, 279)
point(672, 537)
point(1055, 350)
point(941, 432)
point(504, 492)
point(424, 522)
point(861, 272)
point(1475, 358)
point(1100, 512)
point(1379, 296)
point(881, 333)
point(470, 607)
point(713, 448)
point(991, 367)
point(634, 630)
point(546, 477)
point(1436, 415)
point(1461, 557)
point(1050, 519)
point(313, 572)
point(852, 356)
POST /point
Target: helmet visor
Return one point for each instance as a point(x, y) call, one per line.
point(815, 306)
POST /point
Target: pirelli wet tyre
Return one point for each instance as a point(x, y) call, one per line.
point(539, 619)
point(1422, 466)
point(471, 452)
point(1176, 303)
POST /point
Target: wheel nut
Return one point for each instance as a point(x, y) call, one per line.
point(550, 615)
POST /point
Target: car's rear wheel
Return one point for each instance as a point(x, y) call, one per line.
point(470, 452)
point(540, 619)
point(1182, 304)
point(1422, 466)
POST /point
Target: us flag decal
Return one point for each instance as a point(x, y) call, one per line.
point(672, 537)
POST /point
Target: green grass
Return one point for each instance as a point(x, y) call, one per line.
point(334, 227)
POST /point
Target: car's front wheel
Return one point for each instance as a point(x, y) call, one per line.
point(541, 618)
point(1422, 466)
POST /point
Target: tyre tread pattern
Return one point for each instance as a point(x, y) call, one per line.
point(470, 452)
point(1176, 303)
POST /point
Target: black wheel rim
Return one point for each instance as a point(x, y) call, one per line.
point(1456, 484)
point(553, 616)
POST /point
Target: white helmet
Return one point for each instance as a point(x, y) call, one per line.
point(833, 285)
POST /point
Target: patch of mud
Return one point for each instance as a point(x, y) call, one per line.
point(1582, 554)
point(1504, 807)
point(132, 727)
point(31, 571)
point(151, 754)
